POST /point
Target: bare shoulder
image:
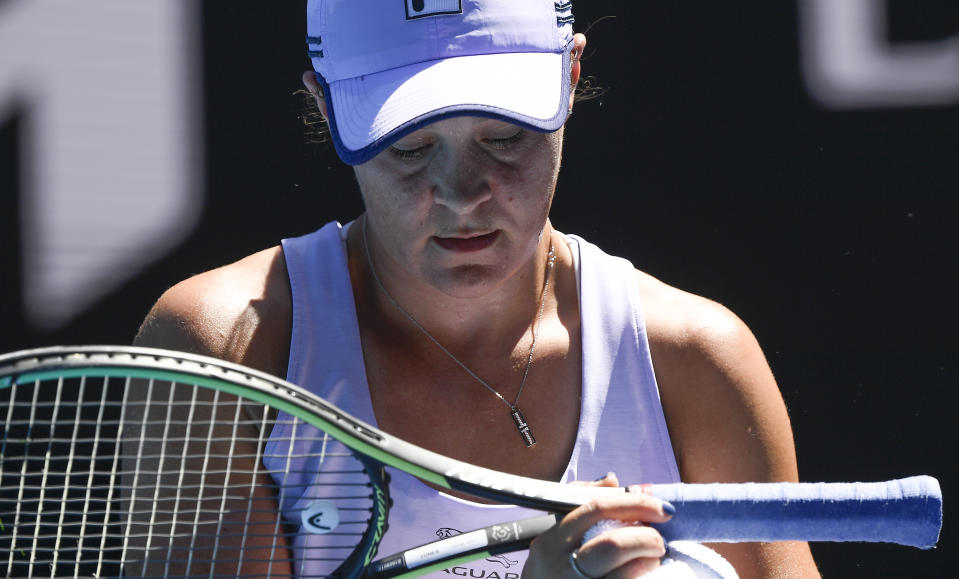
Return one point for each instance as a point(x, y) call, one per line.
point(726, 417)
point(715, 381)
point(681, 321)
point(240, 312)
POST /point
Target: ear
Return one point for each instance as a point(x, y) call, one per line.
point(309, 81)
point(579, 45)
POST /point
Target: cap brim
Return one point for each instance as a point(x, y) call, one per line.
point(368, 113)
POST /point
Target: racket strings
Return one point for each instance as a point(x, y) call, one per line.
point(105, 476)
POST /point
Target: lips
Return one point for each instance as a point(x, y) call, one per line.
point(467, 244)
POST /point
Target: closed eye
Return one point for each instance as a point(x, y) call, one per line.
point(420, 152)
point(506, 141)
point(410, 154)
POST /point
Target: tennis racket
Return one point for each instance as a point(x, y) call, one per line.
point(142, 462)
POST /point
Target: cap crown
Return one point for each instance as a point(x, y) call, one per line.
point(352, 38)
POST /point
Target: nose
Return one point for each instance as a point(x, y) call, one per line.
point(462, 184)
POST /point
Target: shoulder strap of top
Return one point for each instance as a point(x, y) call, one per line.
point(622, 426)
point(326, 355)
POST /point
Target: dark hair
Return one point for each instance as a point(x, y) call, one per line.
point(315, 128)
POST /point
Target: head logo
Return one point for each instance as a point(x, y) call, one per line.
point(423, 8)
point(320, 517)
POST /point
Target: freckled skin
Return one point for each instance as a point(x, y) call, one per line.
point(462, 185)
point(465, 178)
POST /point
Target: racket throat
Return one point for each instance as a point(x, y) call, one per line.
point(522, 426)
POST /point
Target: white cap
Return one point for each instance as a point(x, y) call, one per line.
point(389, 67)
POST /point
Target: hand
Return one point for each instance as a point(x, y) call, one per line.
point(620, 553)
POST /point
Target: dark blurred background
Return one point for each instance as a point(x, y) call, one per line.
point(751, 152)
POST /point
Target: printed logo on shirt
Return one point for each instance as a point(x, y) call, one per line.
point(479, 573)
point(423, 8)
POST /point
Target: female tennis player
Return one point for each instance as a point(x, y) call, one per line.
point(452, 314)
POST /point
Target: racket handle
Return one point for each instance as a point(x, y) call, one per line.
point(504, 538)
point(905, 511)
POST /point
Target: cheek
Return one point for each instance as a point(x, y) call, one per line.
point(386, 197)
point(532, 179)
point(396, 215)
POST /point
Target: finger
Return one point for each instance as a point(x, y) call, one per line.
point(625, 554)
point(607, 480)
point(629, 507)
point(618, 547)
point(634, 568)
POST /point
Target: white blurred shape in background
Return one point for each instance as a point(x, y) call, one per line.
point(848, 61)
point(112, 141)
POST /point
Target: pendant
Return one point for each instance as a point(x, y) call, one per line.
point(522, 427)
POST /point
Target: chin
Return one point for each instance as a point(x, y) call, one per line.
point(468, 281)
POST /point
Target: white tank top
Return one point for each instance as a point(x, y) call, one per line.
point(621, 427)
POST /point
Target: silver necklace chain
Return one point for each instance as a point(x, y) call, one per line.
point(515, 412)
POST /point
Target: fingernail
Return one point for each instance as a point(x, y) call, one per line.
point(605, 476)
point(668, 508)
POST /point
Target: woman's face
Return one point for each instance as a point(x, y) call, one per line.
point(461, 203)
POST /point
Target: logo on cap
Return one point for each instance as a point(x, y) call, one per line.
point(422, 8)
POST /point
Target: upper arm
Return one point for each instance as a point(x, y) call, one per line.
point(240, 313)
point(178, 320)
point(726, 417)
